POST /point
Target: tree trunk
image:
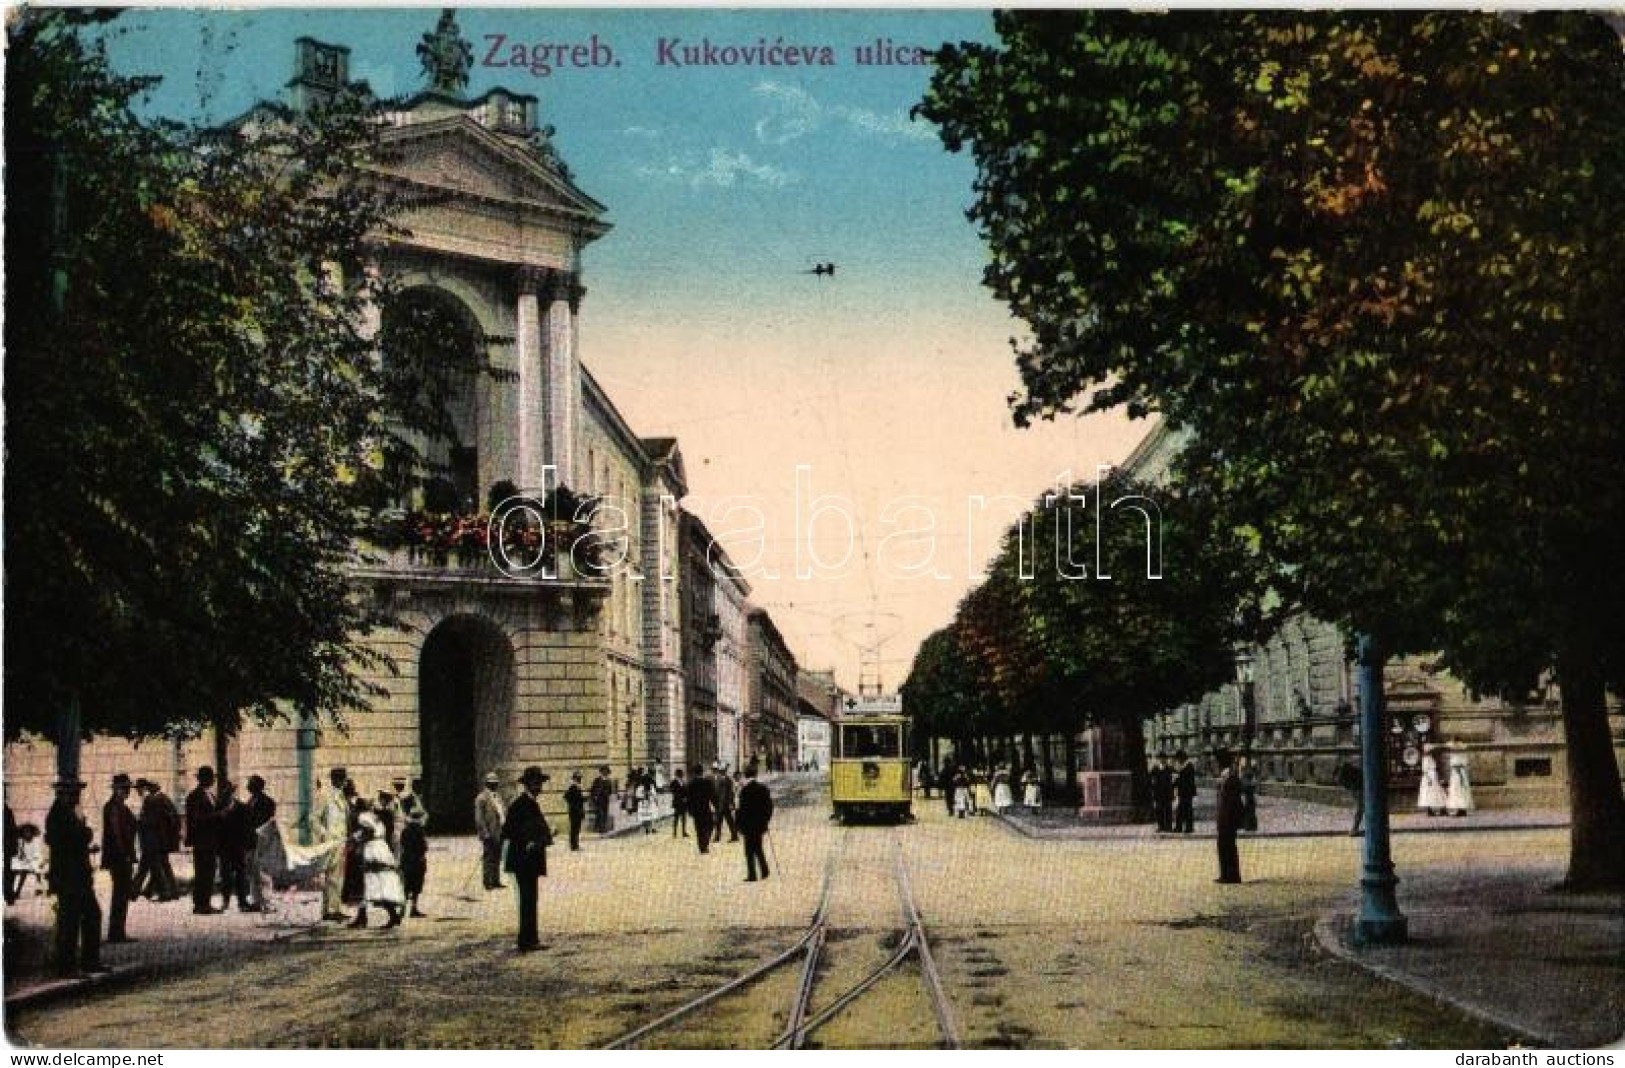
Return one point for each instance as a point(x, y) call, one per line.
point(1139, 773)
point(1027, 760)
point(1070, 790)
point(1049, 763)
point(1596, 804)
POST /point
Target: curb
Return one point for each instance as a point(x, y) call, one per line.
point(63, 988)
point(1208, 836)
point(1327, 935)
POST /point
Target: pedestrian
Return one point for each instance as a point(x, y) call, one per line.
point(10, 847)
point(332, 829)
point(981, 798)
point(414, 856)
point(755, 814)
point(1249, 795)
point(726, 798)
point(647, 808)
point(488, 818)
point(946, 779)
point(119, 833)
point(1002, 798)
point(203, 836)
point(1031, 795)
point(601, 790)
point(355, 881)
point(381, 876)
point(258, 811)
point(526, 831)
point(159, 829)
point(1228, 818)
point(1162, 794)
point(1459, 800)
point(1430, 797)
point(961, 792)
point(679, 804)
point(233, 852)
point(1350, 778)
point(575, 804)
point(30, 860)
point(629, 790)
point(390, 813)
point(702, 805)
point(71, 880)
point(1185, 791)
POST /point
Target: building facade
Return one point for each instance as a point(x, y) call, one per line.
point(732, 606)
point(1294, 707)
point(481, 671)
point(817, 700)
point(770, 729)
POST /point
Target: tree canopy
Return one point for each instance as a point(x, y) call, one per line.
point(1369, 260)
point(199, 419)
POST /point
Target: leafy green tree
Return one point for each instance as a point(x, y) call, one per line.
point(198, 418)
point(1370, 260)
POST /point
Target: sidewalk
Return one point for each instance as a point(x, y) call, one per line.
point(1547, 968)
point(168, 936)
point(1278, 817)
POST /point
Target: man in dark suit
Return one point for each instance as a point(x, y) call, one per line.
point(71, 879)
point(725, 803)
point(1229, 819)
point(258, 810)
point(755, 813)
point(1162, 794)
point(119, 831)
point(575, 803)
point(203, 835)
point(526, 831)
point(602, 788)
point(702, 805)
point(679, 804)
point(1185, 782)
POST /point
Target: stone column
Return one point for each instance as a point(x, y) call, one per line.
point(563, 399)
point(532, 417)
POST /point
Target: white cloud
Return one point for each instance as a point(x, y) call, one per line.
point(722, 169)
point(796, 113)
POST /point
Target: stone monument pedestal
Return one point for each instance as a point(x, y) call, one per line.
point(1108, 796)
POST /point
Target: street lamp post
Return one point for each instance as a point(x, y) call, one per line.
point(1380, 922)
point(1245, 665)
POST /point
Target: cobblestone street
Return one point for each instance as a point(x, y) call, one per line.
point(1085, 943)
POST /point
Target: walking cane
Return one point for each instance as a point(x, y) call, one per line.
point(773, 847)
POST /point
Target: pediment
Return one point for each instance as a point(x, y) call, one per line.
point(459, 156)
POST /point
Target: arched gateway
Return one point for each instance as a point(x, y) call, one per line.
point(465, 707)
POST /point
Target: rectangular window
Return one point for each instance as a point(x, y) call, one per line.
point(861, 740)
point(1532, 767)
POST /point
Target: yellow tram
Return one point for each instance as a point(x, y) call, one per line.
point(870, 774)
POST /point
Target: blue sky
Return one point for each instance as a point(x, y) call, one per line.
point(724, 184)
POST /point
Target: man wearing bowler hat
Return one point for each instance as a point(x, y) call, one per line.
point(119, 832)
point(528, 836)
point(78, 916)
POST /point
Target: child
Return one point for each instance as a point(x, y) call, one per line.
point(646, 806)
point(30, 860)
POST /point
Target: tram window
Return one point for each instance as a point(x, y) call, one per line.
point(864, 741)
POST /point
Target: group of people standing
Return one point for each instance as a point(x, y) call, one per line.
point(219, 827)
point(977, 791)
point(378, 849)
point(1173, 792)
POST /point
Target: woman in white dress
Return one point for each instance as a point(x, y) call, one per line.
point(646, 806)
point(1430, 798)
point(1030, 795)
point(1001, 790)
point(381, 875)
point(961, 788)
point(1459, 800)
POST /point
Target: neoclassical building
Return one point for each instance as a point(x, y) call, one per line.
point(1294, 706)
point(482, 671)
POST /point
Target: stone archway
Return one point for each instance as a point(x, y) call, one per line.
point(465, 703)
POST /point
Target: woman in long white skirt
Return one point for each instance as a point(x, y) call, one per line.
point(646, 807)
point(961, 790)
point(1430, 798)
point(381, 878)
point(1030, 795)
point(1459, 800)
point(1001, 790)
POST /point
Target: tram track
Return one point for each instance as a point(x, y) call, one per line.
point(810, 951)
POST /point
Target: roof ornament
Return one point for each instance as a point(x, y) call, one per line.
point(446, 55)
